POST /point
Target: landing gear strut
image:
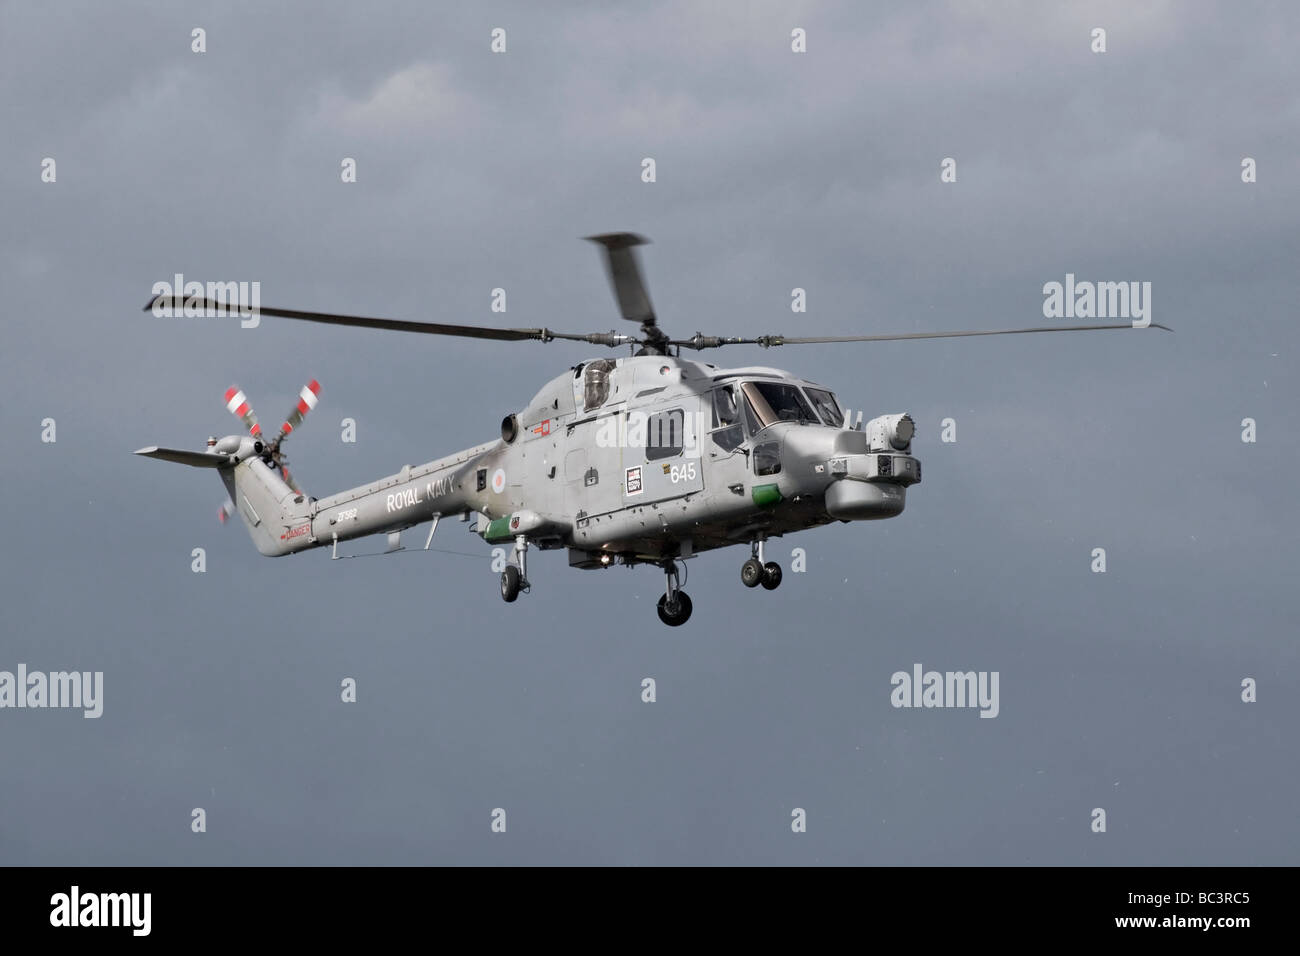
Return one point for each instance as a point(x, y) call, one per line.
point(755, 572)
point(675, 604)
point(514, 579)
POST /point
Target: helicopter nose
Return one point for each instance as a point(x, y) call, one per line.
point(811, 444)
point(852, 500)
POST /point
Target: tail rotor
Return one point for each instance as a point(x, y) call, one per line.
point(272, 455)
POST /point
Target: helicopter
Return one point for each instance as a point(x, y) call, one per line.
point(648, 458)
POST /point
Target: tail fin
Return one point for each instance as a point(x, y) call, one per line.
point(277, 517)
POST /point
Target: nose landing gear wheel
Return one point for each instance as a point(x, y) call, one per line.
point(677, 613)
point(510, 583)
point(751, 573)
point(771, 575)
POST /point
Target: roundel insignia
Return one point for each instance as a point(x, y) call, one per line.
point(514, 523)
point(499, 481)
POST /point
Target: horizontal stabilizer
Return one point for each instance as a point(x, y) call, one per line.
point(199, 459)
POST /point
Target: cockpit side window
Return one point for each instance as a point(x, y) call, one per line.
point(826, 406)
point(727, 433)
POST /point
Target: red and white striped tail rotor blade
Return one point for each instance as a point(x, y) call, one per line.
point(307, 400)
point(288, 479)
point(224, 511)
point(237, 403)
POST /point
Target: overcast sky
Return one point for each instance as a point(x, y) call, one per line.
point(775, 170)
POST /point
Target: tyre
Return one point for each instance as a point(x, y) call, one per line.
point(510, 583)
point(771, 575)
point(680, 611)
point(751, 573)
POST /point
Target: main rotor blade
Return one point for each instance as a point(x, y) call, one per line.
point(699, 342)
point(625, 275)
point(177, 303)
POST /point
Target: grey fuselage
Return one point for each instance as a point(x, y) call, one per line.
point(619, 460)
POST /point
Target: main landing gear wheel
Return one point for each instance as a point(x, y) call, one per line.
point(677, 613)
point(510, 581)
point(771, 575)
point(515, 577)
point(674, 606)
point(751, 573)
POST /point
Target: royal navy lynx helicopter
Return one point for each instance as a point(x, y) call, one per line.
point(645, 459)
